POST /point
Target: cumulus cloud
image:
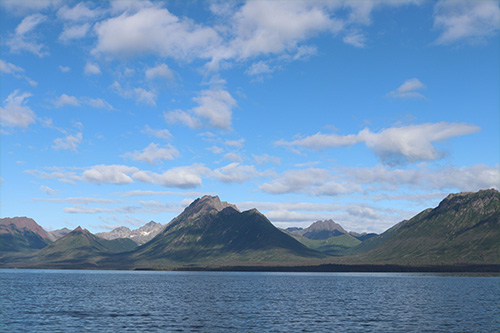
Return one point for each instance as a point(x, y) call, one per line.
point(181, 177)
point(467, 21)
point(69, 142)
point(235, 173)
point(92, 69)
point(80, 12)
point(140, 95)
point(393, 145)
point(214, 106)
point(153, 154)
point(158, 133)
point(154, 30)
point(15, 112)
point(159, 72)
point(409, 89)
point(71, 32)
point(66, 100)
point(265, 158)
point(110, 174)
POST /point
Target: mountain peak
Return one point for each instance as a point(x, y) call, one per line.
point(207, 204)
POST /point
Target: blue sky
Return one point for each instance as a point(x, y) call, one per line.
point(364, 112)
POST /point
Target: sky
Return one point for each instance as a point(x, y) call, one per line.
point(364, 112)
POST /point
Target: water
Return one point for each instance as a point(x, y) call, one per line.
point(65, 300)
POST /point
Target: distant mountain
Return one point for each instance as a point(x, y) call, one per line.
point(22, 234)
point(463, 229)
point(77, 249)
point(210, 231)
point(323, 230)
point(141, 235)
point(56, 234)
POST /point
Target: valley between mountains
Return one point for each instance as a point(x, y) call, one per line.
point(461, 234)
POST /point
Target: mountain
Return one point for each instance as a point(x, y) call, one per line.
point(322, 230)
point(56, 234)
point(77, 249)
point(22, 234)
point(141, 235)
point(463, 229)
point(211, 232)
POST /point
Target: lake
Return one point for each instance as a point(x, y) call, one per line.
point(68, 300)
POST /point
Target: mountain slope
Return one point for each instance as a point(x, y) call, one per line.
point(210, 231)
point(463, 229)
point(22, 234)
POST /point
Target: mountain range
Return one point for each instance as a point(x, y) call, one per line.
point(141, 235)
point(464, 229)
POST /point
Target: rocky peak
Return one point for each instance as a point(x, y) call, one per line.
point(483, 202)
point(207, 204)
point(22, 223)
point(329, 225)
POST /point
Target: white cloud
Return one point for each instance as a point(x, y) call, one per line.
point(47, 190)
point(468, 21)
point(153, 153)
point(66, 100)
point(215, 149)
point(232, 156)
point(180, 177)
point(15, 113)
point(74, 32)
point(183, 117)
point(265, 158)
point(158, 133)
point(69, 142)
point(141, 95)
point(273, 27)
point(97, 103)
point(80, 12)
point(64, 69)
point(471, 178)
point(22, 40)
point(16, 71)
point(154, 30)
point(235, 173)
point(91, 69)
point(410, 143)
point(29, 23)
point(111, 174)
point(311, 181)
point(355, 39)
point(214, 106)
point(408, 89)
point(235, 143)
point(259, 68)
point(161, 72)
point(76, 200)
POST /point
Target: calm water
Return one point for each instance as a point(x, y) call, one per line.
point(60, 300)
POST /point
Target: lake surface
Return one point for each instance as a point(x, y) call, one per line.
point(66, 300)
